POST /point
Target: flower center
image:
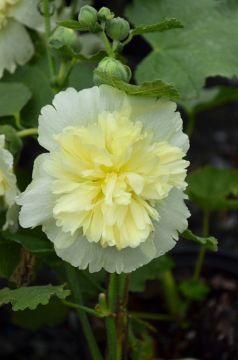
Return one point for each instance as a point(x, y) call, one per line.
point(5, 6)
point(108, 178)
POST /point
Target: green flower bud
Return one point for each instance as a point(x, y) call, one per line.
point(65, 37)
point(112, 68)
point(117, 28)
point(87, 15)
point(105, 14)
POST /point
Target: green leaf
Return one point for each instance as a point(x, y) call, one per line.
point(52, 314)
point(35, 76)
point(210, 243)
point(73, 24)
point(140, 341)
point(31, 297)
point(9, 258)
point(30, 242)
point(81, 76)
point(194, 290)
point(165, 25)
point(13, 143)
point(214, 189)
point(13, 97)
point(207, 46)
point(151, 89)
point(151, 271)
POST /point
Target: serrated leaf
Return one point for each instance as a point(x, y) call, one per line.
point(31, 297)
point(210, 242)
point(214, 189)
point(206, 46)
point(51, 315)
point(194, 290)
point(13, 97)
point(165, 25)
point(151, 271)
point(73, 24)
point(149, 89)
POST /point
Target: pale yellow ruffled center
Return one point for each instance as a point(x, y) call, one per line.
point(5, 6)
point(108, 178)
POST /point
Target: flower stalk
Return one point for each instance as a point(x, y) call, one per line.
point(48, 34)
point(202, 251)
point(76, 291)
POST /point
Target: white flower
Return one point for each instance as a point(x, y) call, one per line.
point(8, 188)
point(110, 192)
point(16, 47)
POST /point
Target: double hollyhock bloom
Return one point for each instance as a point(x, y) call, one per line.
point(16, 47)
point(109, 193)
point(8, 188)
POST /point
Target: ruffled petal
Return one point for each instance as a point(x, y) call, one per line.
point(15, 46)
point(72, 108)
point(83, 254)
point(160, 117)
point(37, 200)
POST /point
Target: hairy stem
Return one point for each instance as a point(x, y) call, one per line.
point(110, 321)
point(202, 251)
point(27, 132)
point(47, 34)
point(76, 291)
point(107, 44)
point(173, 302)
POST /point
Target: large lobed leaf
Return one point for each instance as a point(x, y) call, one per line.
point(13, 97)
point(214, 189)
point(207, 46)
point(31, 297)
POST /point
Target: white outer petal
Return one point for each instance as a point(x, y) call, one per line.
point(15, 46)
point(160, 117)
point(37, 200)
point(82, 253)
point(73, 108)
point(27, 13)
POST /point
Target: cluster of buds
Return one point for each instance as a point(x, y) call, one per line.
point(116, 28)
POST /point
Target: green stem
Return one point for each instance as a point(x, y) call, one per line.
point(17, 118)
point(81, 307)
point(48, 34)
point(122, 315)
point(171, 296)
point(27, 132)
point(110, 321)
point(130, 37)
point(92, 282)
point(202, 251)
point(76, 290)
point(143, 322)
point(191, 123)
point(107, 44)
point(152, 316)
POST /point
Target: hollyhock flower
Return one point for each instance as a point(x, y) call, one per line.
point(8, 188)
point(110, 191)
point(16, 47)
